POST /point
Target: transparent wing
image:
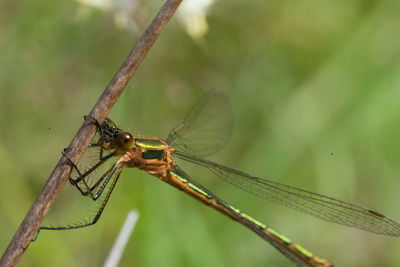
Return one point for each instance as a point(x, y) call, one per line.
point(320, 206)
point(72, 208)
point(206, 128)
point(285, 250)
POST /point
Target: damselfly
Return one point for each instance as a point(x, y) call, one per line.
point(203, 132)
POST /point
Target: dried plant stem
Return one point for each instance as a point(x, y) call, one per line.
point(60, 174)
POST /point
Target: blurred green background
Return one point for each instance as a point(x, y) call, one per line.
point(314, 88)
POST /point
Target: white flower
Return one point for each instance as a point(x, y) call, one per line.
point(192, 13)
point(122, 10)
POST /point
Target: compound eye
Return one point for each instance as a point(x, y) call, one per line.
point(125, 141)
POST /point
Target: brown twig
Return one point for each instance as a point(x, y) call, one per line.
point(59, 176)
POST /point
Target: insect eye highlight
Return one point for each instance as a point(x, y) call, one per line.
point(125, 141)
point(126, 138)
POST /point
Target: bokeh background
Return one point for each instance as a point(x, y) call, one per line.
point(314, 88)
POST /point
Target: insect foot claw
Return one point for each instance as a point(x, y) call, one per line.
point(63, 152)
point(93, 118)
point(36, 236)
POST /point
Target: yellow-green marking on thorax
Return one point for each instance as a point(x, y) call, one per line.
point(151, 148)
point(149, 143)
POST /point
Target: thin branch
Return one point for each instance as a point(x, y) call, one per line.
point(79, 143)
